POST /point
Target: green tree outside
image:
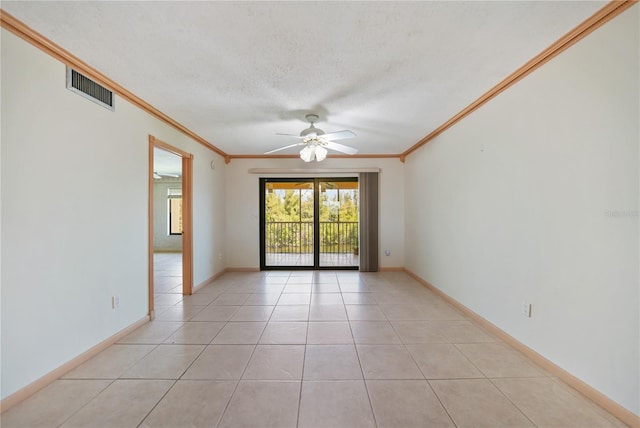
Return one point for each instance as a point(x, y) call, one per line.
point(289, 217)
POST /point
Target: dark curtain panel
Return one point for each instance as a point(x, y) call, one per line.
point(369, 222)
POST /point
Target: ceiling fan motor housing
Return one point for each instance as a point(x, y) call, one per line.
point(312, 118)
point(312, 131)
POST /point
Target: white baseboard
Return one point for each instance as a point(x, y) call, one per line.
point(391, 269)
point(209, 280)
point(243, 269)
point(45, 380)
point(593, 394)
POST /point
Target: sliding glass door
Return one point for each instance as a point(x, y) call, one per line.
point(287, 222)
point(338, 220)
point(309, 223)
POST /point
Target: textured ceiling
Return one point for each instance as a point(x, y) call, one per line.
point(236, 73)
point(166, 163)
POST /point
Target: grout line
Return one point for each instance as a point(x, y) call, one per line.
point(441, 403)
point(304, 364)
point(158, 402)
point(364, 379)
point(511, 401)
point(85, 404)
point(576, 394)
point(226, 407)
point(224, 411)
point(382, 283)
point(455, 345)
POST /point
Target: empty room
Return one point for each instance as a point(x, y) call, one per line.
point(320, 214)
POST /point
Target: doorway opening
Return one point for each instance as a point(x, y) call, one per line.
point(309, 223)
point(170, 225)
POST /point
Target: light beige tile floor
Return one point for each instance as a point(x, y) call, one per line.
point(307, 349)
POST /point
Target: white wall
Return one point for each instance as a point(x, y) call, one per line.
point(162, 241)
point(209, 213)
point(243, 231)
point(74, 215)
point(534, 197)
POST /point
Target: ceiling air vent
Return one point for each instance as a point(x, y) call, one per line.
point(89, 89)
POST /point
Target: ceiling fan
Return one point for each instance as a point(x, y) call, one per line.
point(316, 142)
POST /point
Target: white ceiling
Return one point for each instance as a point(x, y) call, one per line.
point(236, 73)
point(165, 162)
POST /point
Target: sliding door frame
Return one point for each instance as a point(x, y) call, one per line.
point(316, 222)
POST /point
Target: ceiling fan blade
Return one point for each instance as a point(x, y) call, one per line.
point(341, 148)
point(289, 135)
point(282, 148)
point(338, 135)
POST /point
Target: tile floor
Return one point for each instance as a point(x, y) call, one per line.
point(307, 349)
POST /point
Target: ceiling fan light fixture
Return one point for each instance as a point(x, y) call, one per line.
point(321, 153)
point(316, 142)
point(313, 151)
point(308, 153)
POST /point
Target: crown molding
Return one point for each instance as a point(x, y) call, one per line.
point(608, 12)
point(20, 29)
point(605, 14)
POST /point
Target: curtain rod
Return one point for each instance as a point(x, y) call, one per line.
point(311, 171)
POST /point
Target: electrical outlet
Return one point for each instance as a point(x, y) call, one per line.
point(526, 309)
point(115, 302)
point(387, 253)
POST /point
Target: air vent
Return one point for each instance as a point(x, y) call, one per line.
point(89, 89)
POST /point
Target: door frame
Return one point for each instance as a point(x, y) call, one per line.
point(316, 222)
point(187, 218)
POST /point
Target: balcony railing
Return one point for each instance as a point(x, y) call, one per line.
point(297, 237)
